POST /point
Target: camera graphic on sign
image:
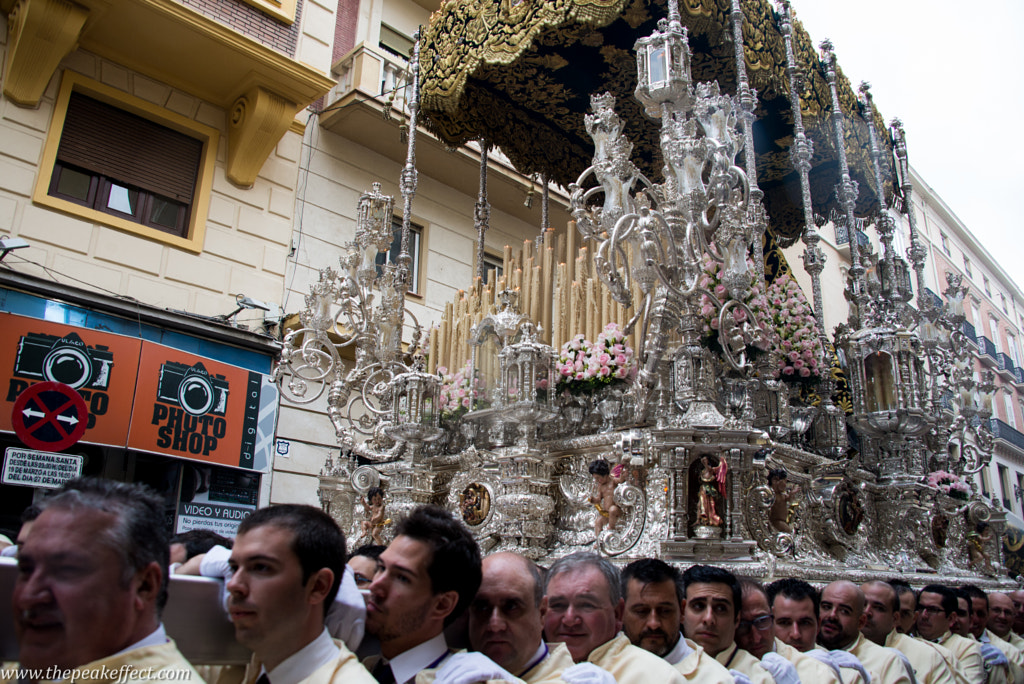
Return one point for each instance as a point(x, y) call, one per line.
point(192, 388)
point(63, 359)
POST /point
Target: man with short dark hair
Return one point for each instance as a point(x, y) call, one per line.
point(711, 615)
point(936, 605)
point(583, 608)
point(993, 649)
point(880, 611)
point(795, 610)
point(425, 579)
point(287, 563)
point(907, 615)
point(841, 619)
point(363, 562)
point(756, 635)
point(653, 593)
point(91, 585)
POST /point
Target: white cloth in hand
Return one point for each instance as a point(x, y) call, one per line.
point(825, 657)
point(469, 668)
point(739, 677)
point(781, 670)
point(992, 655)
point(215, 564)
point(587, 673)
point(346, 618)
point(846, 659)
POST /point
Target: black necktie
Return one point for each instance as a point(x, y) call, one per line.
point(381, 672)
point(263, 679)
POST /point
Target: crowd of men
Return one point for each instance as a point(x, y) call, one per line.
point(93, 573)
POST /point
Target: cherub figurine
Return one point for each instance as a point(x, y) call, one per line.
point(778, 516)
point(374, 524)
point(712, 484)
point(605, 481)
point(977, 547)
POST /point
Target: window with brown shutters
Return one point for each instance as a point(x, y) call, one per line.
point(122, 164)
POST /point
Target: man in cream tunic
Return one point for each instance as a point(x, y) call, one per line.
point(841, 619)
point(583, 607)
point(92, 582)
point(882, 606)
point(1000, 627)
point(935, 605)
point(756, 635)
point(653, 593)
point(710, 617)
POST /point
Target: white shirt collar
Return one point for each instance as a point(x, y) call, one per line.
point(678, 652)
point(538, 655)
point(407, 665)
point(157, 637)
point(305, 661)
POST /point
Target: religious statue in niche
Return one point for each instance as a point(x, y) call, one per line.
point(373, 506)
point(475, 504)
point(781, 513)
point(711, 494)
point(849, 511)
point(940, 530)
point(606, 479)
point(979, 542)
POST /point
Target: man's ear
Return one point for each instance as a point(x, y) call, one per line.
point(319, 585)
point(148, 581)
point(444, 603)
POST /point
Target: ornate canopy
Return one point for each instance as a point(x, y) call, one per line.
point(520, 73)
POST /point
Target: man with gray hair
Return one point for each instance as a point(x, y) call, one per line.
point(92, 581)
point(582, 607)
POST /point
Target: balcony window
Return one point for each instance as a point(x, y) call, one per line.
point(115, 160)
point(967, 267)
point(945, 243)
point(395, 42)
point(986, 285)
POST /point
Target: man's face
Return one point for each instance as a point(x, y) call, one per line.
point(842, 615)
point(796, 623)
point(402, 610)
point(70, 603)
point(363, 568)
point(1001, 614)
point(709, 616)
point(932, 621)
point(578, 610)
point(979, 618)
point(267, 600)
point(908, 613)
point(754, 633)
point(504, 619)
point(879, 618)
point(960, 620)
point(1018, 606)
point(651, 620)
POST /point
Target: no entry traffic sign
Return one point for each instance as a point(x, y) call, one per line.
point(49, 415)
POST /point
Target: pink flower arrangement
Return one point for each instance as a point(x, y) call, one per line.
point(949, 483)
point(802, 358)
point(755, 299)
point(456, 393)
point(585, 366)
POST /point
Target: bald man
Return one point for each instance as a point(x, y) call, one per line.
point(881, 611)
point(505, 622)
point(842, 617)
point(1002, 617)
point(995, 610)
